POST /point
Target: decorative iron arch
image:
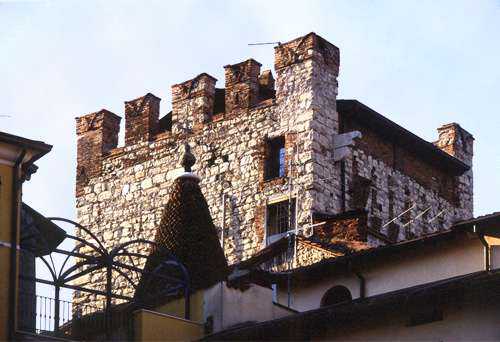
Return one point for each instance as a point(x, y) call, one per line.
point(97, 258)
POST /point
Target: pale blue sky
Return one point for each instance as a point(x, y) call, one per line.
point(422, 64)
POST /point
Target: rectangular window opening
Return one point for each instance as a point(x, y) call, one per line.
point(275, 161)
point(280, 219)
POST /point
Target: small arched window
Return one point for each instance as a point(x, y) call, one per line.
point(335, 295)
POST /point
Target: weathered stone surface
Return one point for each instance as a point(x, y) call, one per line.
point(121, 191)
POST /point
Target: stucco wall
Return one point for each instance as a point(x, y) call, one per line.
point(154, 326)
point(229, 306)
point(5, 236)
point(226, 307)
point(464, 322)
point(407, 268)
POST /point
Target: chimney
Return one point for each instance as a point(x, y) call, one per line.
point(193, 102)
point(97, 134)
point(456, 141)
point(242, 85)
point(141, 118)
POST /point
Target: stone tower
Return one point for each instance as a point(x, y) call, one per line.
point(274, 155)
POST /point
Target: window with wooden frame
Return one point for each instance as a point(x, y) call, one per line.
point(275, 158)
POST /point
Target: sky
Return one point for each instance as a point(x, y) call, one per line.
point(420, 63)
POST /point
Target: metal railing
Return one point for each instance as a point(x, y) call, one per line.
point(47, 316)
point(57, 316)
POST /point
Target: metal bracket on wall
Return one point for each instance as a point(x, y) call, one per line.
point(342, 143)
point(7, 244)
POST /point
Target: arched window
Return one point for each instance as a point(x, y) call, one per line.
point(335, 295)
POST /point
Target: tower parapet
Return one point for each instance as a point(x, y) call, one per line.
point(193, 102)
point(97, 134)
point(141, 118)
point(242, 85)
point(310, 46)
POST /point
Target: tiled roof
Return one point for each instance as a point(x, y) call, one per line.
point(404, 138)
point(187, 232)
point(315, 323)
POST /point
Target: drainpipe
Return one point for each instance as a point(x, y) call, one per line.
point(342, 173)
point(362, 284)
point(223, 223)
point(223, 227)
point(486, 249)
point(16, 197)
point(342, 185)
point(362, 280)
point(289, 285)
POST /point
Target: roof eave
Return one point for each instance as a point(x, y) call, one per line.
point(364, 115)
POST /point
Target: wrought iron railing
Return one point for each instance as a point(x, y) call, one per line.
point(40, 317)
point(60, 317)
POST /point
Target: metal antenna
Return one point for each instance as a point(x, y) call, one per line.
point(269, 43)
point(435, 217)
point(401, 214)
point(416, 217)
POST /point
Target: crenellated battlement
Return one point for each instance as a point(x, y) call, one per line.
point(195, 101)
point(264, 138)
point(308, 47)
point(97, 134)
point(141, 118)
point(242, 85)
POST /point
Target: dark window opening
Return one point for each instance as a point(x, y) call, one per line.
point(336, 295)
point(275, 162)
point(280, 217)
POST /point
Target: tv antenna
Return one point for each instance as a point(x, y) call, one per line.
point(268, 43)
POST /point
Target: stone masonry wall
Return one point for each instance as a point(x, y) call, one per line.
point(396, 180)
point(125, 194)
point(121, 191)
